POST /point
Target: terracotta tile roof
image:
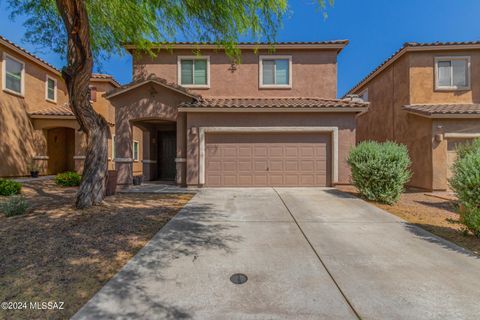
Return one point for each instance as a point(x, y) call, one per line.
point(23, 51)
point(152, 79)
point(260, 43)
point(410, 46)
point(444, 109)
point(287, 102)
point(103, 76)
point(63, 110)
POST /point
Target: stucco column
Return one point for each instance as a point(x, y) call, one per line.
point(123, 149)
point(39, 160)
point(180, 160)
point(439, 159)
point(149, 155)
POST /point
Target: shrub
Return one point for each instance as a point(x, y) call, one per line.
point(380, 170)
point(14, 206)
point(9, 187)
point(467, 148)
point(68, 179)
point(465, 182)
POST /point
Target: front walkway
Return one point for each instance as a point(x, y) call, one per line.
point(308, 253)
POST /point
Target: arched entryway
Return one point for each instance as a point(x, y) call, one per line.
point(60, 150)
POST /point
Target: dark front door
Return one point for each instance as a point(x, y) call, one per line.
point(167, 147)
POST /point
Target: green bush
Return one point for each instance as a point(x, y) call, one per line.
point(14, 206)
point(465, 182)
point(468, 148)
point(380, 170)
point(9, 187)
point(68, 179)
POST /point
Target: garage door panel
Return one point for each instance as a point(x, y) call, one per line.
point(268, 159)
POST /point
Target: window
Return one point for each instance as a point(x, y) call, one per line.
point(51, 89)
point(135, 150)
point(452, 73)
point(92, 94)
point(364, 95)
point(194, 71)
point(14, 73)
point(275, 71)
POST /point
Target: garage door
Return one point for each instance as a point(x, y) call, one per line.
point(452, 145)
point(267, 159)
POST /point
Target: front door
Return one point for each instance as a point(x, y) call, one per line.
point(167, 147)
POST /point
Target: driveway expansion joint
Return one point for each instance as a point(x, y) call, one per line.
point(318, 257)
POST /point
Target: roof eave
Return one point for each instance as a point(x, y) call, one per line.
point(446, 115)
point(139, 84)
point(401, 52)
point(274, 109)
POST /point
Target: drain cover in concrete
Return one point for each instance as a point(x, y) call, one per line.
point(238, 278)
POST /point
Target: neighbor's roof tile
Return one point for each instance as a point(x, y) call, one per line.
point(444, 109)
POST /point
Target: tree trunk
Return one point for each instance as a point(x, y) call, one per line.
point(77, 76)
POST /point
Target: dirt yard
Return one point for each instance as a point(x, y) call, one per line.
point(433, 214)
point(56, 253)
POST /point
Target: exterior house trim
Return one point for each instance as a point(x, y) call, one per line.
point(461, 135)
point(446, 116)
point(179, 72)
point(273, 109)
point(260, 72)
point(4, 76)
point(129, 88)
point(204, 130)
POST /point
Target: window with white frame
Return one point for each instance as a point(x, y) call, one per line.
point(452, 73)
point(275, 71)
point(135, 150)
point(13, 75)
point(51, 89)
point(194, 71)
point(364, 95)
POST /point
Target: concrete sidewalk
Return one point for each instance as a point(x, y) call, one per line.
point(309, 253)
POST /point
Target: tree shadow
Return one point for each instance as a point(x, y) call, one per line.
point(129, 293)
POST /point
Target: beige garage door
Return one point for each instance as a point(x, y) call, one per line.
point(452, 145)
point(267, 159)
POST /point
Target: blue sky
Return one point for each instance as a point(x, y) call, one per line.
point(375, 28)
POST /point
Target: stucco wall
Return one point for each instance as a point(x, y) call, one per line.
point(344, 121)
point(19, 141)
point(314, 72)
point(422, 75)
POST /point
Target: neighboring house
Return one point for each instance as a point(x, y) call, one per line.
point(426, 96)
point(37, 127)
point(272, 120)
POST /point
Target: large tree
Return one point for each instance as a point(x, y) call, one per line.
point(87, 29)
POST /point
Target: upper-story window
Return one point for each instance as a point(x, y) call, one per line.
point(275, 71)
point(452, 73)
point(13, 75)
point(194, 71)
point(92, 94)
point(51, 89)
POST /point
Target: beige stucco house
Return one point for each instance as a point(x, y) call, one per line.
point(272, 120)
point(426, 96)
point(37, 127)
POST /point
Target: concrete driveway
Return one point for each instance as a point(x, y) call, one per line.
point(309, 253)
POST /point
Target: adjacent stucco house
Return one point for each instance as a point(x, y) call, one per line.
point(37, 127)
point(426, 96)
point(272, 120)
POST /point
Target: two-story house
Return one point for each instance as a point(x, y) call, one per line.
point(37, 127)
point(427, 97)
point(272, 120)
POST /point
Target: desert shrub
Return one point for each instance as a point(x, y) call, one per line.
point(9, 187)
point(465, 182)
point(468, 148)
point(68, 179)
point(380, 170)
point(14, 206)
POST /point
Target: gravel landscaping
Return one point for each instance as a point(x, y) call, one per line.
point(59, 254)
